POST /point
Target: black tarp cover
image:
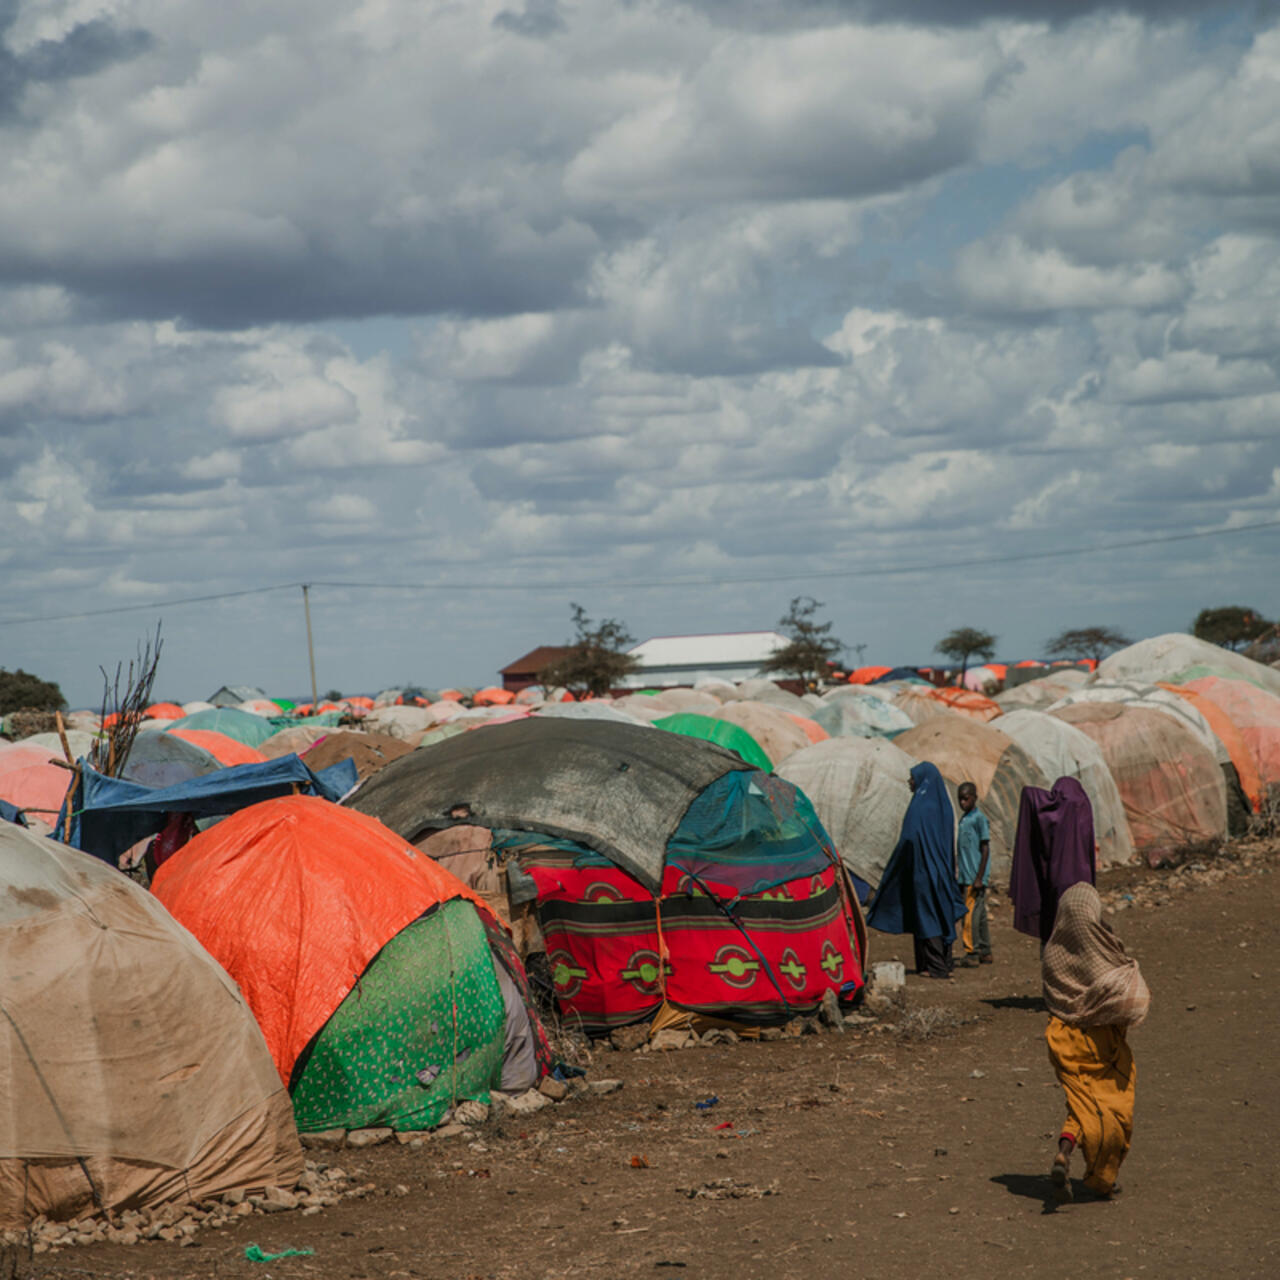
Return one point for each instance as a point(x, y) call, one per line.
point(619, 790)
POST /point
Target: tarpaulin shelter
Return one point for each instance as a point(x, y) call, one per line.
point(264, 707)
point(405, 722)
point(32, 782)
point(924, 702)
point(1167, 657)
point(164, 711)
point(778, 735)
point(225, 750)
point(859, 787)
point(165, 759)
point(1172, 787)
point(493, 697)
point(1042, 692)
point(665, 870)
point(865, 675)
point(1063, 751)
point(133, 1073)
point(79, 743)
point(1244, 780)
point(368, 752)
point(809, 727)
point(1255, 713)
point(294, 740)
point(375, 976)
point(594, 709)
point(855, 713)
point(243, 726)
point(722, 732)
point(966, 751)
point(690, 700)
point(109, 815)
point(909, 674)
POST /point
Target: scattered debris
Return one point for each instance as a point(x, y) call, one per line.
point(728, 1189)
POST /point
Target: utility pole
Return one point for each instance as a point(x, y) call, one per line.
point(311, 653)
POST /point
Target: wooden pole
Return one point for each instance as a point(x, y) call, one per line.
point(311, 653)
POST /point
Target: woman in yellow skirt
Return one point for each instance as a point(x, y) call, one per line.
point(1094, 993)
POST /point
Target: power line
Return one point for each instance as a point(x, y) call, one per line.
point(793, 575)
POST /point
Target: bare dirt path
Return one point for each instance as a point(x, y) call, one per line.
point(880, 1156)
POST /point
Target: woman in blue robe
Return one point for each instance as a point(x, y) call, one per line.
point(918, 893)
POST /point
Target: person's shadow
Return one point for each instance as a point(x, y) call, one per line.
point(1035, 1004)
point(1032, 1186)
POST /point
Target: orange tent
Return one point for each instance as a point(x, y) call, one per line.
point(30, 782)
point(493, 697)
point(1226, 731)
point(359, 700)
point(226, 751)
point(968, 702)
point(1255, 712)
point(164, 711)
point(340, 887)
point(813, 730)
point(865, 675)
point(449, 695)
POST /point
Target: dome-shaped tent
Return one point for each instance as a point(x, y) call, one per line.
point(133, 1073)
point(1172, 787)
point(966, 751)
point(722, 732)
point(373, 974)
point(859, 787)
point(665, 870)
point(1063, 751)
point(778, 735)
point(1167, 657)
point(243, 726)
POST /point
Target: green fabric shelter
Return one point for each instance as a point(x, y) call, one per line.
point(243, 726)
point(722, 732)
point(422, 1030)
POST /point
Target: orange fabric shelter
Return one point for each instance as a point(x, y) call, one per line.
point(29, 781)
point(339, 886)
point(865, 675)
point(493, 697)
point(1226, 731)
point(968, 702)
point(226, 751)
point(1255, 712)
point(164, 711)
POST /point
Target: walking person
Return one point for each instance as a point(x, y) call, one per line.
point(917, 893)
point(973, 857)
point(1094, 993)
point(1053, 849)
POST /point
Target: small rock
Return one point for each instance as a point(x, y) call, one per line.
point(527, 1103)
point(720, 1035)
point(672, 1038)
point(829, 1011)
point(324, 1140)
point(369, 1137)
point(449, 1131)
point(237, 1196)
point(399, 1189)
point(408, 1137)
point(628, 1038)
point(552, 1088)
point(604, 1086)
point(977, 1074)
point(954, 1209)
point(770, 1033)
point(277, 1199)
point(311, 1210)
point(470, 1111)
point(242, 1210)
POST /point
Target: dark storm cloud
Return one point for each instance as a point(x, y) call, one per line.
point(86, 49)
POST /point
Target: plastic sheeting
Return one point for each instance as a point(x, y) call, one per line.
point(340, 887)
point(243, 726)
point(1063, 751)
point(722, 732)
point(1137, 694)
point(619, 789)
point(1256, 713)
point(778, 735)
point(966, 751)
point(1172, 787)
point(859, 787)
point(854, 713)
point(134, 1071)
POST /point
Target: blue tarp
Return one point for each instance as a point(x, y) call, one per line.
point(901, 673)
point(11, 813)
point(111, 814)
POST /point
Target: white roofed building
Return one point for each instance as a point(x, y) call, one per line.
point(668, 661)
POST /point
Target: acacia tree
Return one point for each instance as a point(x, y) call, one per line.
point(1086, 642)
point(596, 658)
point(810, 648)
point(964, 643)
point(1231, 625)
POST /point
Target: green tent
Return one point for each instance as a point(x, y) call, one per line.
point(421, 1030)
point(722, 732)
point(243, 726)
point(285, 704)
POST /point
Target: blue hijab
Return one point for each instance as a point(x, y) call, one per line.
point(918, 892)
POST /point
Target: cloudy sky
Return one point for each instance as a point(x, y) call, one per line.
point(674, 309)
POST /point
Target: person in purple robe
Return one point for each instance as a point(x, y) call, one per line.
point(1054, 848)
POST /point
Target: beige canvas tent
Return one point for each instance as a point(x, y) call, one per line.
point(132, 1070)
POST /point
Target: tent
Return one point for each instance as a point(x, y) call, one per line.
point(294, 740)
point(368, 752)
point(1244, 782)
point(111, 814)
point(134, 1074)
point(165, 759)
point(594, 709)
point(1172, 787)
point(924, 702)
point(405, 722)
point(375, 976)
point(1255, 713)
point(673, 700)
point(225, 750)
point(865, 675)
point(34, 780)
point(856, 713)
point(966, 751)
point(808, 726)
point(667, 874)
point(909, 675)
point(243, 726)
point(771, 727)
point(722, 732)
point(859, 787)
point(1063, 751)
point(1042, 692)
point(1167, 657)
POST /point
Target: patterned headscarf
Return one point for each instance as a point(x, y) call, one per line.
point(1089, 981)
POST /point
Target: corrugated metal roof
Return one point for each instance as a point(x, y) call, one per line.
point(534, 661)
point(738, 647)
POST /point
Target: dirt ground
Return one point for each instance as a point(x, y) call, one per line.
point(880, 1155)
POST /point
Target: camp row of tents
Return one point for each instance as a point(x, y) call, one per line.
point(370, 921)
